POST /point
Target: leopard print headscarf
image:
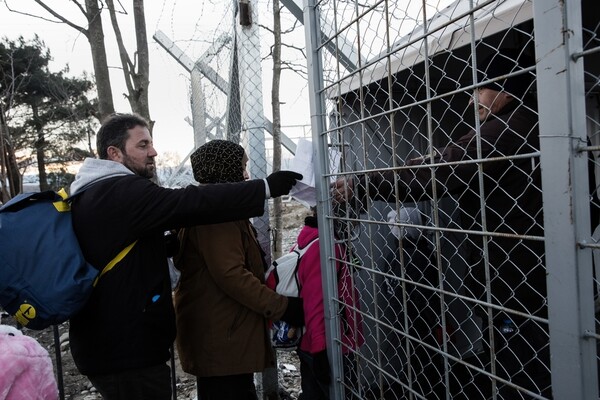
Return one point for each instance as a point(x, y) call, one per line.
point(218, 161)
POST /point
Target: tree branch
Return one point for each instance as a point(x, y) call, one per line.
point(128, 66)
point(56, 15)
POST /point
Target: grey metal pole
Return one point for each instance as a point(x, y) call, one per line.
point(59, 367)
point(251, 105)
point(198, 103)
point(253, 137)
point(561, 101)
point(320, 141)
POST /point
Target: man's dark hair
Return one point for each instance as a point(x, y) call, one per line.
point(113, 132)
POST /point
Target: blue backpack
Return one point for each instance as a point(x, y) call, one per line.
point(44, 278)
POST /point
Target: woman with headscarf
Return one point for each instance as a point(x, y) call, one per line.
point(222, 305)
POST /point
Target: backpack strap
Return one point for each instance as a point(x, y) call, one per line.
point(66, 199)
point(304, 249)
point(300, 252)
point(114, 261)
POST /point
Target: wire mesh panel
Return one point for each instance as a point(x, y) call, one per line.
point(433, 108)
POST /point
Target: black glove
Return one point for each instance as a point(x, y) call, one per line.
point(294, 313)
point(281, 182)
point(321, 367)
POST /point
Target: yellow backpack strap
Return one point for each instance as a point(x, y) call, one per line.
point(115, 261)
point(62, 205)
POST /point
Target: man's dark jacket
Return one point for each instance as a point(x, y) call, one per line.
point(129, 321)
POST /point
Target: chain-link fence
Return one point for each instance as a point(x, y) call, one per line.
point(226, 99)
point(467, 134)
point(465, 194)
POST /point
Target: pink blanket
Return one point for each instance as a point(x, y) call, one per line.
point(26, 371)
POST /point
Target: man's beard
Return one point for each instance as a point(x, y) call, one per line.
point(147, 171)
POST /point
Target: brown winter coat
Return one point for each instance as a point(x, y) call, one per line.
point(221, 303)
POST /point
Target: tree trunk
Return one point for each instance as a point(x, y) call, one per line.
point(276, 108)
point(40, 146)
point(10, 184)
point(14, 177)
point(143, 59)
point(95, 35)
point(3, 166)
point(136, 73)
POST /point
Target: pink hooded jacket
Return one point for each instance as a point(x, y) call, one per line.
point(309, 277)
point(26, 371)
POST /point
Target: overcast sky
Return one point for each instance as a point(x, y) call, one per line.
point(188, 22)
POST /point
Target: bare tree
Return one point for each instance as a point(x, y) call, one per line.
point(95, 36)
point(279, 65)
point(276, 109)
point(136, 72)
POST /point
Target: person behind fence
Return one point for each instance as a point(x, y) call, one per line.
point(512, 205)
point(410, 264)
point(315, 371)
point(122, 338)
point(222, 304)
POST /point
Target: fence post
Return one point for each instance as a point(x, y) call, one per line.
point(253, 137)
point(320, 140)
point(59, 368)
point(561, 101)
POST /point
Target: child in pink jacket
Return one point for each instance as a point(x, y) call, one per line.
point(26, 371)
point(314, 364)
